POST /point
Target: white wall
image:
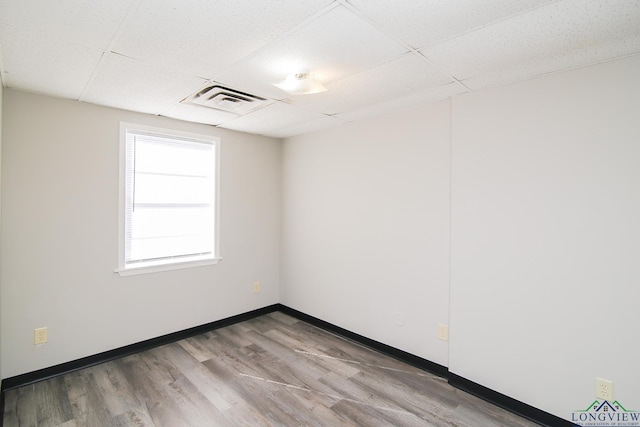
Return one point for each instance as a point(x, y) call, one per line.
point(365, 238)
point(545, 232)
point(542, 198)
point(1, 102)
point(546, 237)
point(60, 236)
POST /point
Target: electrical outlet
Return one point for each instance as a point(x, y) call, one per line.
point(443, 332)
point(604, 389)
point(256, 287)
point(40, 336)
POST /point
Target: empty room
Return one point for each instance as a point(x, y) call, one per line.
point(320, 212)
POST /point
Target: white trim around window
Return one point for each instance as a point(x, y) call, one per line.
point(169, 206)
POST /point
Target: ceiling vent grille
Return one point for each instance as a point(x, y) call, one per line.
point(225, 99)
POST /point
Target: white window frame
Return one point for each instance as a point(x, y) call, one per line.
point(169, 264)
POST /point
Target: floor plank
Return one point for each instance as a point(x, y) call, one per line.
point(273, 370)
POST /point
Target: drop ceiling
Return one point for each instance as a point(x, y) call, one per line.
point(373, 56)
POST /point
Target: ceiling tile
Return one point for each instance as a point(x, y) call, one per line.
point(197, 114)
point(421, 23)
point(202, 37)
point(324, 123)
point(139, 86)
point(423, 97)
point(394, 79)
point(160, 51)
point(36, 63)
point(333, 46)
point(90, 23)
point(271, 119)
point(555, 37)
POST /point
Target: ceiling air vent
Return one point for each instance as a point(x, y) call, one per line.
point(225, 99)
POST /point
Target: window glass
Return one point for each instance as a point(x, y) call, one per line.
point(169, 182)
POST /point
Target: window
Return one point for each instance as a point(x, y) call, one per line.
point(168, 202)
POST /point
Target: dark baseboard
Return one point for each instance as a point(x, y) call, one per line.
point(411, 359)
point(85, 362)
point(526, 411)
point(510, 404)
point(536, 415)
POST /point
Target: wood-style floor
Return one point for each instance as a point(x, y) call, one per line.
point(269, 371)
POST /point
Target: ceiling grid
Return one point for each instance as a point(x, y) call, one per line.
point(372, 56)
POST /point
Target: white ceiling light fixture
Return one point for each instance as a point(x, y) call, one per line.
point(300, 84)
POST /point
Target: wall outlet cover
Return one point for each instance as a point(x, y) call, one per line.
point(604, 389)
point(41, 336)
point(443, 332)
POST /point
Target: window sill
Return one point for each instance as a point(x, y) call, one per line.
point(165, 267)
